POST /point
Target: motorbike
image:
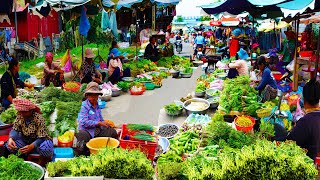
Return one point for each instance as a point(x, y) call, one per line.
point(200, 54)
point(179, 46)
point(225, 52)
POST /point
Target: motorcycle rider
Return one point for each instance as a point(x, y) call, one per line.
point(178, 38)
point(199, 42)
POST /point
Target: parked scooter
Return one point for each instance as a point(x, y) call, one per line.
point(179, 46)
point(225, 52)
point(200, 54)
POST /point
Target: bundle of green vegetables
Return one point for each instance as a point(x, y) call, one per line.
point(185, 142)
point(238, 95)
point(201, 86)
point(47, 109)
point(170, 62)
point(113, 163)
point(172, 108)
point(9, 115)
point(15, 168)
point(140, 127)
point(123, 85)
point(140, 66)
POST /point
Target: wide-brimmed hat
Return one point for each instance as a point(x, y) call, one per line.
point(255, 45)
point(89, 53)
point(21, 104)
point(290, 35)
point(243, 54)
point(93, 88)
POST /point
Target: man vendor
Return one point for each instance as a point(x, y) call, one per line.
point(91, 123)
point(10, 82)
point(152, 51)
point(29, 133)
point(306, 133)
point(52, 73)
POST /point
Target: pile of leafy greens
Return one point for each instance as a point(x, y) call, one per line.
point(116, 163)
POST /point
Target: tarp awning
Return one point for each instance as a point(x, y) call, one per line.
point(128, 3)
point(67, 3)
point(296, 6)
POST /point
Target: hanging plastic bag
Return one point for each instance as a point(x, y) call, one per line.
point(290, 66)
point(298, 113)
point(253, 76)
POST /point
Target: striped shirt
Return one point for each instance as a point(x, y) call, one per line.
point(89, 117)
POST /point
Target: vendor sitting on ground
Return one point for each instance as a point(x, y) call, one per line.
point(10, 82)
point(255, 49)
point(88, 72)
point(268, 83)
point(306, 133)
point(91, 123)
point(152, 51)
point(52, 72)
point(114, 49)
point(239, 67)
point(116, 71)
point(29, 134)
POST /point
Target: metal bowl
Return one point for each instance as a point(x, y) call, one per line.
point(213, 102)
point(185, 75)
point(222, 76)
point(200, 94)
point(190, 111)
point(197, 63)
point(164, 126)
point(39, 87)
point(105, 98)
point(116, 93)
point(36, 167)
point(164, 143)
point(175, 74)
point(209, 91)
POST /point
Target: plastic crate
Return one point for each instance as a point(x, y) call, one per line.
point(148, 148)
point(63, 153)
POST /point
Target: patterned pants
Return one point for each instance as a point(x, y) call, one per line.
point(45, 149)
point(269, 93)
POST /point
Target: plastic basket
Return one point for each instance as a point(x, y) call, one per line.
point(136, 93)
point(3, 139)
point(72, 89)
point(247, 128)
point(261, 113)
point(277, 77)
point(149, 86)
point(148, 148)
point(63, 153)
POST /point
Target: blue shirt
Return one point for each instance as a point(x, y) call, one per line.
point(200, 40)
point(267, 79)
point(89, 117)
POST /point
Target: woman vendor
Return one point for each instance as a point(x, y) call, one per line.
point(88, 70)
point(239, 67)
point(91, 123)
point(10, 82)
point(114, 49)
point(288, 53)
point(306, 132)
point(256, 49)
point(29, 134)
point(52, 72)
point(268, 83)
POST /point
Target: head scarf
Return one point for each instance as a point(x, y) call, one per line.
point(21, 104)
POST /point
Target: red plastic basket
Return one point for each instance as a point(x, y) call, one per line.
point(136, 93)
point(72, 89)
point(277, 77)
point(69, 144)
point(148, 148)
point(3, 139)
point(247, 128)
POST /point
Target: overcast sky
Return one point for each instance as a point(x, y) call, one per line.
point(189, 7)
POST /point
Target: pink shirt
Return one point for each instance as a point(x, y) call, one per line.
point(113, 64)
point(241, 66)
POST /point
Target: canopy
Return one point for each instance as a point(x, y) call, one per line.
point(268, 26)
point(67, 3)
point(128, 3)
point(312, 19)
point(296, 6)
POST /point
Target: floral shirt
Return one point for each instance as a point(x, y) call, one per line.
point(35, 129)
point(89, 117)
point(87, 68)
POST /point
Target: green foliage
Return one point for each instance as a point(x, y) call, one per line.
point(9, 115)
point(116, 163)
point(140, 66)
point(50, 94)
point(47, 109)
point(205, 18)
point(124, 86)
point(15, 168)
point(179, 19)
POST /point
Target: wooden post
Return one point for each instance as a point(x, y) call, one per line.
point(296, 65)
point(154, 17)
point(317, 58)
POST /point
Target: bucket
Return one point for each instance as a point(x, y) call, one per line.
point(98, 143)
point(244, 128)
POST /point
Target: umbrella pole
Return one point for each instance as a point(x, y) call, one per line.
point(295, 63)
point(317, 58)
point(136, 32)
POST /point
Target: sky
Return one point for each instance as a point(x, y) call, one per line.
point(189, 8)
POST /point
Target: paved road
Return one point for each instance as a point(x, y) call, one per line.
point(146, 108)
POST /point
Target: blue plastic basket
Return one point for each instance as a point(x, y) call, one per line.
point(102, 104)
point(62, 153)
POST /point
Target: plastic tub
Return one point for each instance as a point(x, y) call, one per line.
point(5, 129)
point(149, 86)
point(3, 139)
point(102, 104)
point(136, 93)
point(306, 53)
point(247, 128)
point(63, 153)
point(98, 143)
point(62, 144)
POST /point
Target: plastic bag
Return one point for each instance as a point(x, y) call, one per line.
point(290, 66)
point(253, 76)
